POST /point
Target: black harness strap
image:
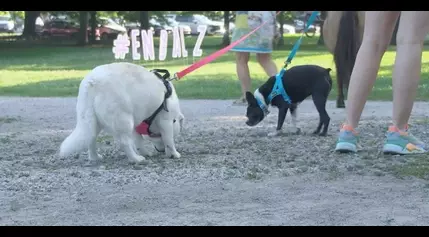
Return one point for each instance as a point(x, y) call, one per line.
point(168, 93)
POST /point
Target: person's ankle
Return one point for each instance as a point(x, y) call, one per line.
point(401, 128)
point(348, 127)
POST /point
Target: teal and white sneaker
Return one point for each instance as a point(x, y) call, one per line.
point(347, 140)
point(402, 143)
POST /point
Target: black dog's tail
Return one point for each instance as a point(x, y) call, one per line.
point(346, 48)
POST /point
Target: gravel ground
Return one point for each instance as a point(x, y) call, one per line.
point(229, 174)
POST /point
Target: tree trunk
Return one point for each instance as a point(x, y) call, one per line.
point(323, 16)
point(144, 20)
point(93, 24)
point(83, 31)
point(281, 22)
point(226, 41)
point(30, 24)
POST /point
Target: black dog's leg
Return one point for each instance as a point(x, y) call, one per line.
point(324, 119)
point(293, 113)
point(281, 118)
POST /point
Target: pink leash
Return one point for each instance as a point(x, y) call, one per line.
point(215, 55)
point(143, 128)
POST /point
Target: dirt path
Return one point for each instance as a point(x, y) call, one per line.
point(229, 174)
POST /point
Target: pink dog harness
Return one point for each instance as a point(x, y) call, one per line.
point(144, 127)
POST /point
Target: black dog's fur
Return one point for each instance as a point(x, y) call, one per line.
point(299, 83)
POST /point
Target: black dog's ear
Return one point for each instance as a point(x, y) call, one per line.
point(328, 70)
point(251, 100)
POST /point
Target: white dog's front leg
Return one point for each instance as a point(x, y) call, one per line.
point(92, 152)
point(167, 135)
point(139, 141)
point(129, 147)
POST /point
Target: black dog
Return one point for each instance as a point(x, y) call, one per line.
point(299, 82)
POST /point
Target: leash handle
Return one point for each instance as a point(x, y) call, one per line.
point(310, 20)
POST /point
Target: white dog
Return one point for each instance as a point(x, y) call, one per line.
point(117, 97)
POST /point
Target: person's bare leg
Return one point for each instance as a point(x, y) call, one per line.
point(379, 26)
point(242, 60)
point(267, 63)
point(413, 28)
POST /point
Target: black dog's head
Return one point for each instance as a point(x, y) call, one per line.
point(254, 113)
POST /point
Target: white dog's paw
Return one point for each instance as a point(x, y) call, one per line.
point(95, 157)
point(137, 160)
point(174, 154)
point(296, 131)
point(274, 134)
point(147, 151)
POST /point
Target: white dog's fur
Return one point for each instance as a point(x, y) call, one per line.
point(117, 97)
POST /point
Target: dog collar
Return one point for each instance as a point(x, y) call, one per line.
point(263, 107)
point(261, 104)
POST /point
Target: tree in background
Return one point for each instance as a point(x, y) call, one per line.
point(30, 18)
point(13, 14)
point(281, 19)
point(83, 31)
point(226, 40)
point(93, 24)
point(144, 20)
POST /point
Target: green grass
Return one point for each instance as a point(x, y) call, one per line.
point(418, 167)
point(45, 71)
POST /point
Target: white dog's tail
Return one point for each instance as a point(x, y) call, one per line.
point(86, 126)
